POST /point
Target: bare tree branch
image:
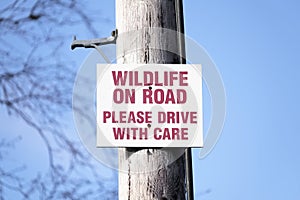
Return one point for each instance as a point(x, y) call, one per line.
point(36, 83)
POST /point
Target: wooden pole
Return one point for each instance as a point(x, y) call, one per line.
point(149, 174)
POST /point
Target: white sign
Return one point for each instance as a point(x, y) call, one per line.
point(149, 105)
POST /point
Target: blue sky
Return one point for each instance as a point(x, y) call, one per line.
point(256, 47)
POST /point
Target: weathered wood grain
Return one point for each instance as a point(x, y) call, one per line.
point(148, 174)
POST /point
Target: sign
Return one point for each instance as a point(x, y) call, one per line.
point(149, 105)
